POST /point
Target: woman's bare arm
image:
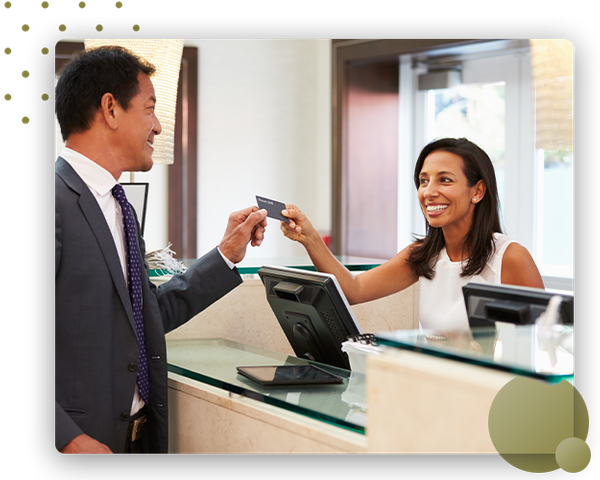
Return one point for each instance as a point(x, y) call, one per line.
point(390, 277)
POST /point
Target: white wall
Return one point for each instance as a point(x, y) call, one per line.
point(264, 129)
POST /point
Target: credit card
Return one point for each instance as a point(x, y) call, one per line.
point(273, 208)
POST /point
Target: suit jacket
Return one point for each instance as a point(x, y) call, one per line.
point(96, 348)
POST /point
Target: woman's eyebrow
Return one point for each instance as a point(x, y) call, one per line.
point(425, 174)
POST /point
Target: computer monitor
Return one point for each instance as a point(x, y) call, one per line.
point(313, 312)
point(137, 195)
point(487, 304)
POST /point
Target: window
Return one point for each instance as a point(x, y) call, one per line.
point(554, 249)
point(475, 111)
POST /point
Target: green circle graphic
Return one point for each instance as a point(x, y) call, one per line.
point(45, 97)
point(136, 28)
point(99, 27)
point(118, 4)
point(25, 120)
point(45, 4)
point(81, 4)
point(25, 28)
point(7, 51)
point(7, 5)
point(7, 97)
point(25, 74)
point(529, 420)
point(62, 28)
point(45, 51)
point(573, 455)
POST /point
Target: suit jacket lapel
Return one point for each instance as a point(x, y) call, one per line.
point(95, 217)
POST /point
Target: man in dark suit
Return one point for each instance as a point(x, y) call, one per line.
point(105, 107)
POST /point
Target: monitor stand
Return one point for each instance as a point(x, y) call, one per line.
point(306, 345)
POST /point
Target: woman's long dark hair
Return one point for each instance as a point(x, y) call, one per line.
point(479, 242)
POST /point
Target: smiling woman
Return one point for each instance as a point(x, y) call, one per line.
point(468, 186)
point(463, 243)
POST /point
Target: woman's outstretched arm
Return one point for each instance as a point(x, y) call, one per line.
point(390, 277)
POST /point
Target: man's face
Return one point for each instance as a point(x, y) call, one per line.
point(137, 126)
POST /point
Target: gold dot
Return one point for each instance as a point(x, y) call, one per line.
point(45, 97)
point(45, 51)
point(24, 74)
point(25, 28)
point(44, 5)
point(81, 4)
point(99, 27)
point(136, 28)
point(62, 28)
point(7, 6)
point(7, 51)
point(119, 5)
point(7, 97)
point(24, 120)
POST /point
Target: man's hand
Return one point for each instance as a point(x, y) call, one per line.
point(246, 226)
point(85, 444)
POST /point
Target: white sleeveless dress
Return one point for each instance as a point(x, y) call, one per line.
point(441, 302)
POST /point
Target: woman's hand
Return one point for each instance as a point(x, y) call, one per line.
point(299, 229)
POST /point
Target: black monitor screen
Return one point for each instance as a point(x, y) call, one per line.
point(487, 304)
point(312, 311)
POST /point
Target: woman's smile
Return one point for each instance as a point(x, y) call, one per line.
point(437, 209)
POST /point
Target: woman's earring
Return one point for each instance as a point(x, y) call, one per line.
point(474, 200)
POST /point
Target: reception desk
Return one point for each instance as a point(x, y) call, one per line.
point(431, 392)
point(213, 409)
point(416, 396)
point(411, 400)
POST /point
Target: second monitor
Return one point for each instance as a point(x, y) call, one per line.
point(313, 312)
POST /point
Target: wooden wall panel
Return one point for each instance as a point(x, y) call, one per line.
point(370, 181)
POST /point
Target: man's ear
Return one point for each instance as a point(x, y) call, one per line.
point(108, 109)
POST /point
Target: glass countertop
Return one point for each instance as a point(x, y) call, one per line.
point(252, 265)
point(540, 352)
point(214, 362)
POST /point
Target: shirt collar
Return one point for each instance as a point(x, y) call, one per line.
point(94, 176)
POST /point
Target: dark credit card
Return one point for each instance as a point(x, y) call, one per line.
point(273, 208)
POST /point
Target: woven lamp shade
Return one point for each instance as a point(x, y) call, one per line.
point(165, 55)
point(552, 67)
